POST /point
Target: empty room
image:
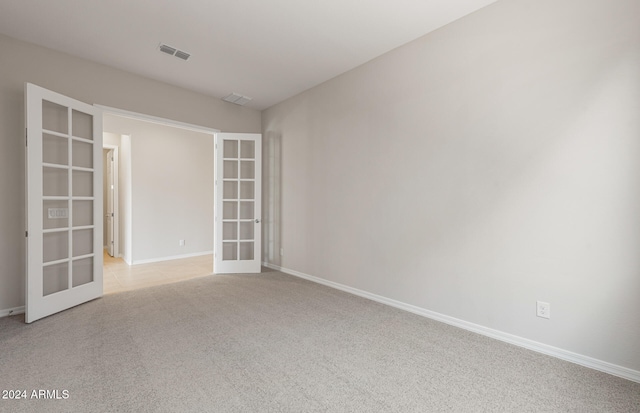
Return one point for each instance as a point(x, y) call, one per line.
point(408, 206)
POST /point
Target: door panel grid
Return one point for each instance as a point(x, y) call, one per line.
point(238, 178)
point(66, 243)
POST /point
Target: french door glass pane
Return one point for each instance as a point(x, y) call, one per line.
point(82, 241)
point(55, 149)
point(246, 251)
point(247, 169)
point(82, 213)
point(55, 182)
point(82, 154)
point(82, 271)
point(230, 170)
point(246, 210)
point(55, 117)
point(55, 214)
point(55, 278)
point(82, 125)
point(230, 149)
point(247, 189)
point(229, 251)
point(247, 149)
point(55, 246)
point(230, 190)
point(246, 230)
point(229, 210)
point(82, 183)
point(229, 231)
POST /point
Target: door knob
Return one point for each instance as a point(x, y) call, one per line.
point(257, 221)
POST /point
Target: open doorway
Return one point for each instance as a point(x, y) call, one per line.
point(110, 189)
point(64, 200)
point(163, 219)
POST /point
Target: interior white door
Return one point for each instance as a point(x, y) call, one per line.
point(237, 194)
point(64, 202)
point(110, 210)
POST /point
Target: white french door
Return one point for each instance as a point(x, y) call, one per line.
point(64, 202)
point(237, 194)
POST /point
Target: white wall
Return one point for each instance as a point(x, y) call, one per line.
point(171, 189)
point(125, 199)
point(112, 139)
point(88, 82)
point(487, 165)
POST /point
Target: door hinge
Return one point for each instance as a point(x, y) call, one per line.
point(26, 234)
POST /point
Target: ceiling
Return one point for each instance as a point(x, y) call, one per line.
point(269, 50)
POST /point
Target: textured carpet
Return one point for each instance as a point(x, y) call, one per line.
point(275, 343)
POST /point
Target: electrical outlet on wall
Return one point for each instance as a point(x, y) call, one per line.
point(543, 309)
point(181, 242)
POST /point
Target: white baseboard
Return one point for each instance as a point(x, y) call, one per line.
point(11, 311)
point(582, 360)
point(172, 257)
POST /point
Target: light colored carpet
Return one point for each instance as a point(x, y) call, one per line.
point(275, 343)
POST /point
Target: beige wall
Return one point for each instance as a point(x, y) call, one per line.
point(88, 82)
point(171, 189)
point(490, 164)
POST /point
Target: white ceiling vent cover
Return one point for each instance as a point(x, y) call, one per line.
point(237, 98)
point(174, 52)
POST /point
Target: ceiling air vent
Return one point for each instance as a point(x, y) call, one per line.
point(167, 49)
point(174, 52)
point(182, 55)
point(237, 98)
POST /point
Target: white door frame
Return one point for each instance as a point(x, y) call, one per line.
point(116, 199)
point(160, 121)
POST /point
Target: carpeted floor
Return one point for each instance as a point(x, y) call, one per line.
point(275, 343)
